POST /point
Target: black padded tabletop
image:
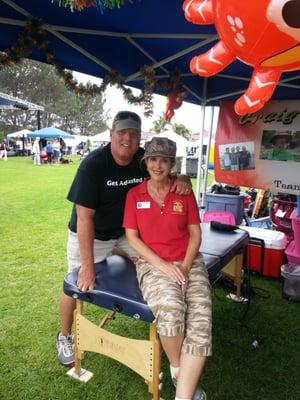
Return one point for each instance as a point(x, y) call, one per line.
point(222, 244)
point(116, 288)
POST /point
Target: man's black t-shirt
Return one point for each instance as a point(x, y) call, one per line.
point(101, 184)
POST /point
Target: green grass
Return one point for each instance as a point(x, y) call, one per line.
point(34, 217)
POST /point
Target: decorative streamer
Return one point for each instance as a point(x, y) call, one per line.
point(79, 5)
point(35, 35)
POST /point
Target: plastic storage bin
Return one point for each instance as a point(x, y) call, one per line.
point(291, 281)
point(265, 252)
point(226, 202)
point(226, 217)
point(292, 254)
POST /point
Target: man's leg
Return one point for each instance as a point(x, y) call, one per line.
point(64, 343)
point(66, 308)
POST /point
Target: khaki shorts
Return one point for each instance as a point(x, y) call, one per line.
point(102, 249)
point(175, 314)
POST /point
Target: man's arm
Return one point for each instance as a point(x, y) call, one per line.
point(86, 235)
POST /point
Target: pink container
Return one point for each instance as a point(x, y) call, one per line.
point(292, 253)
point(296, 229)
point(226, 217)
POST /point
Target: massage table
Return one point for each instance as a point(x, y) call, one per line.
point(116, 289)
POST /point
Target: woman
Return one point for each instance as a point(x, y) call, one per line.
point(164, 229)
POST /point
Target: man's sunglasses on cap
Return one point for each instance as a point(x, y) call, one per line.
point(125, 115)
point(127, 120)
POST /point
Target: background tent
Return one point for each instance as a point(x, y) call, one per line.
point(181, 143)
point(50, 133)
point(18, 134)
point(8, 102)
point(101, 137)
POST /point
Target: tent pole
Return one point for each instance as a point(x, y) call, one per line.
point(200, 154)
point(207, 156)
point(39, 119)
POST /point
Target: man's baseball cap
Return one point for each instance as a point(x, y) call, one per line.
point(127, 120)
point(163, 147)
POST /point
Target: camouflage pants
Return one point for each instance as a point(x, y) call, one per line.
point(175, 314)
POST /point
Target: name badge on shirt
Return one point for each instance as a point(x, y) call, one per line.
point(143, 204)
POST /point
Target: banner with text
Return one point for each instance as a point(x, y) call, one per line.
point(260, 150)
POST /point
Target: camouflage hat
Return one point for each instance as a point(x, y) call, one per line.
point(163, 147)
point(281, 134)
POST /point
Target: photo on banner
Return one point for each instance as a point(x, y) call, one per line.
point(260, 150)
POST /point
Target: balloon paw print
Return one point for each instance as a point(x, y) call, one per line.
point(261, 33)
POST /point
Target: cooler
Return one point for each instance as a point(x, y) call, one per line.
point(265, 251)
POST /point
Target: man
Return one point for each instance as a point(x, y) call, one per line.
point(280, 151)
point(226, 160)
point(36, 151)
point(234, 160)
point(95, 228)
point(244, 159)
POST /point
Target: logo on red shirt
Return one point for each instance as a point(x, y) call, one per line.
point(177, 207)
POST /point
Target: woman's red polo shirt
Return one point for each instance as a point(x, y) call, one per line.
point(164, 229)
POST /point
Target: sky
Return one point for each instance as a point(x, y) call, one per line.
point(188, 114)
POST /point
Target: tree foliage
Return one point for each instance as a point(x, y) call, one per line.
point(38, 83)
point(160, 125)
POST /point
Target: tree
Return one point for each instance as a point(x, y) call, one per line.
point(159, 125)
point(181, 130)
point(63, 108)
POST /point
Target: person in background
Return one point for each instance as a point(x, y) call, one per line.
point(56, 151)
point(3, 151)
point(49, 151)
point(244, 158)
point(98, 193)
point(36, 151)
point(163, 227)
point(226, 160)
point(280, 152)
point(234, 160)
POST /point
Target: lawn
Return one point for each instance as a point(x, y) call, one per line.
point(34, 217)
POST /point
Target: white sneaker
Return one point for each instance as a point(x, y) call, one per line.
point(65, 352)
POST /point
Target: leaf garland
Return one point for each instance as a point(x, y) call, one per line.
point(35, 35)
point(79, 5)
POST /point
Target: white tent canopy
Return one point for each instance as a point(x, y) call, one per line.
point(18, 134)
point(103, 137)
point(75, 140)
point(181, 143)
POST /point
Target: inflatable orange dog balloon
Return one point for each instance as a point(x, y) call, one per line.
point(261, 33)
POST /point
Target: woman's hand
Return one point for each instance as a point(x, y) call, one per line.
point(172, 271)
point(185, 272)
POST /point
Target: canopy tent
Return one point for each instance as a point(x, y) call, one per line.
point(8, 102)
point(103, 137)
point(18, 134)
point(181, 143)
point(75, 140)
point(127, 38)
point(50, 133)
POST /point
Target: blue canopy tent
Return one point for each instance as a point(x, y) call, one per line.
point(50, 133)
point(142, 32)
point(139, 33)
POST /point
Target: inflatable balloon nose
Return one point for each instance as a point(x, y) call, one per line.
point(261, 33)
